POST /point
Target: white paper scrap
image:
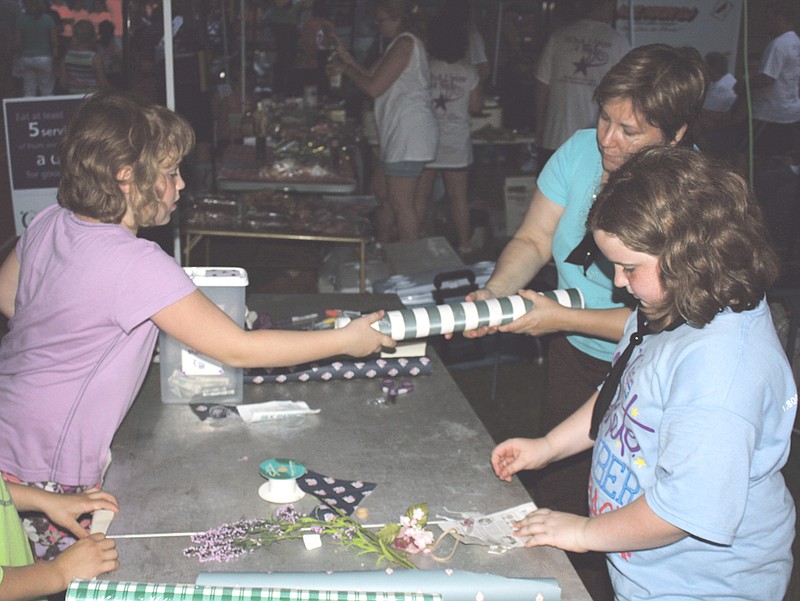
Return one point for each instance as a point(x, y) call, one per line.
point(260, 412)
point(312, 541)
point(495, 529)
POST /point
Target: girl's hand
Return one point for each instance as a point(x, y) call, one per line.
point(65, 509)
point(87, 559)
point(545, 527)
point(363, 339)
point(543, 318)
point(517, 454)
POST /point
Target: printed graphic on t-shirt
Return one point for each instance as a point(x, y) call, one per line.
point(592, 53)
point(613, 482)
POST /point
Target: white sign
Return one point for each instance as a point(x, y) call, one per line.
point(34, 127)
point(707, 25)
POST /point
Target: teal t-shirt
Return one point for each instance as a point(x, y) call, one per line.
point(35, 35)
point(15, 549)
point(571, 179)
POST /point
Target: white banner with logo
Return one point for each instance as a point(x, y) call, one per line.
point(707, 25)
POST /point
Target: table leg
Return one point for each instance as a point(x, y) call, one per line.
point(362, 267)
point(191, 241)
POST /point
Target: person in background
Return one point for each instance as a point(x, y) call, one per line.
point(716, 131)
point(693, 425)
point(399, 83)
point(92, 555)
point(283, 22)
point(9, 11)
point(99, 14)
point(460, 13)
point(776, 86)
point(652, 97)
point(36, 43)
point(81, 286)
point(456, 91)
point(315, 44)
point(64, 20)
point(110, 54)
point(572, 63)
point(82, 70)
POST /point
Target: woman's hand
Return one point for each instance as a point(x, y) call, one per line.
point(546, 316)
point(517, 454)
point(342, 53)
point(335, 67)
point(545, 527)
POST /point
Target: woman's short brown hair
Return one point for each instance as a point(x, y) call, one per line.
point(666, 86)
point(701, 221)
point(109, 133)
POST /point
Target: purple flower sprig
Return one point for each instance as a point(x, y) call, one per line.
point(230, 541)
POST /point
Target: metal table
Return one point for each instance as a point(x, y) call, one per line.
point(194, 235)
point(240, 170)
point(174, 473)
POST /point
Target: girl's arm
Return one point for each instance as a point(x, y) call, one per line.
point(569, 438)
point(199, 323)
point(380, 78)
point(9, 282)
point(86, 559)
point(630, 528)
point(529, 250)
point(63, 509)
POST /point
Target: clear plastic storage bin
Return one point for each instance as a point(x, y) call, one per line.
point(190, 377)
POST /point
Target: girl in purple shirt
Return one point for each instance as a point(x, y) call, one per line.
point(85, 299)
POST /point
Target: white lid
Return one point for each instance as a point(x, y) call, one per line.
point(217, 276)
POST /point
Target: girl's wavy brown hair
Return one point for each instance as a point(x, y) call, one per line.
point(701, 221)
point(109, 133)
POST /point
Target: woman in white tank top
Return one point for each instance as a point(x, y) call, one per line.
point(399, 82)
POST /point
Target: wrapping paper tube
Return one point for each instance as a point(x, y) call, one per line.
point(431, 320)
point(391, 367)
point(453, 585)
point(98, 590)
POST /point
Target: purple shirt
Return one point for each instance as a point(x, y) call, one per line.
point(79, 344)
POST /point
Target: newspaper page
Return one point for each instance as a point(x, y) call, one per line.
point(495, 529)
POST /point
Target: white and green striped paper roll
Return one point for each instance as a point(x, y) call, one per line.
point(432, 320)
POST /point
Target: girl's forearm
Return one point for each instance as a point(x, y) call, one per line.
point(31, 582)
point(571, 436)
point(630, 528)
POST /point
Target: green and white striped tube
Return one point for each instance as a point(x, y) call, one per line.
point(432, 320)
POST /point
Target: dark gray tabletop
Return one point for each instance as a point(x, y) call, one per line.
point(173, 472)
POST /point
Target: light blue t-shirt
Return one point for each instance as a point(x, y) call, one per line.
point(571, 179)
point(701, 426)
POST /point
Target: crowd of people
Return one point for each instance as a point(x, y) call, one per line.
point(64, 48)
point(670, 381)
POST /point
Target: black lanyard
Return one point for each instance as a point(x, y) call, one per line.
point(611, 383)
